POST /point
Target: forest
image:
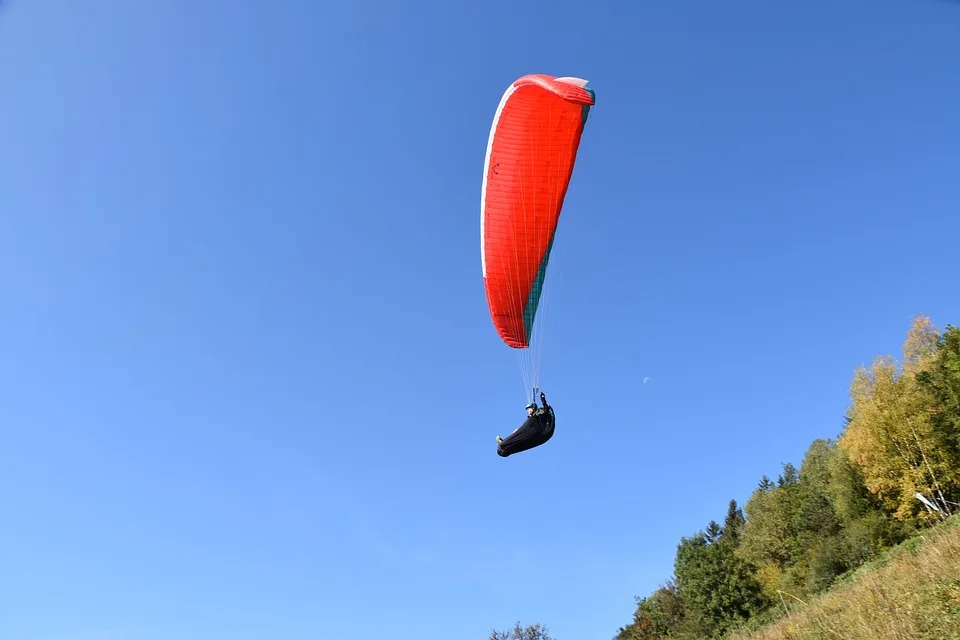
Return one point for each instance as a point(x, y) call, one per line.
point(891, 474)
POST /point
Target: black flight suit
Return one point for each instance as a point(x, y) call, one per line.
point(535, 431)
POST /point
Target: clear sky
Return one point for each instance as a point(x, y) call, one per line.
point(250, 387)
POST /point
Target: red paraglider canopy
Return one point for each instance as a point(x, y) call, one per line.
point(530, 157)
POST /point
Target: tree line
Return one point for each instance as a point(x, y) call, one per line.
point(894, 469)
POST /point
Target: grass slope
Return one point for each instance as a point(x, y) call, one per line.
point(912, 592)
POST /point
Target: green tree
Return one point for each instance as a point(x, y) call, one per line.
point(941, 378)
point(661, 615)
point(718, 587)
point(713, 532)
point(845, 487)
point(765, 484)
point(733, 523)
point(789, 477)
point(815, 524)
point(531, 632)
point(766, 537)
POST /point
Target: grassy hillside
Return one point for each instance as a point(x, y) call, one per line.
point(912, 592)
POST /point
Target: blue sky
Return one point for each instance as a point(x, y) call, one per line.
point(250, 386)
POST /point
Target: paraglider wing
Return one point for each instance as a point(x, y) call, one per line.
point(530, 157)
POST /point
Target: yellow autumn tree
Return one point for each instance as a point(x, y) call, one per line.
point(889, 435)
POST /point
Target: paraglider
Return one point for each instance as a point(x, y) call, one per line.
point(536, 430)
point(531, 151)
